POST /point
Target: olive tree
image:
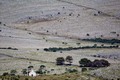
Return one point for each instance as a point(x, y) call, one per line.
point(69, 59)
point(60, 61)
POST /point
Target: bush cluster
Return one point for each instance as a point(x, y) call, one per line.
point(96, 63)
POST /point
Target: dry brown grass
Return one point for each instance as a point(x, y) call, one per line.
point(67, 76)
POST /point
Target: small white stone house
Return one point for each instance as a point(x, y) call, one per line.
point(32, 73)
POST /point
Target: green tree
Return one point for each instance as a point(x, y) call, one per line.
point(69, 59)
point(60, 61)
point(84, 62)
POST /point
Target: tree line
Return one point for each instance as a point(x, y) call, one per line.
point(55, 49)
point(84, 62)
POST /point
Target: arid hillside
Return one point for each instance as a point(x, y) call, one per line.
point(27, 27)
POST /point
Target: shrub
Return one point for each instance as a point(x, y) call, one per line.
point(58, 12)
point(84, 69)
point(13, 72)
point(5, 74)
point(87, 34)
point(105, 63)
point(24, 71)
point(72, 70)
point(39, 72)
point(9, 47)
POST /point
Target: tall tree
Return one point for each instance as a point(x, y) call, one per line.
point(60, 61)
point(69, 59)
point(84, 62)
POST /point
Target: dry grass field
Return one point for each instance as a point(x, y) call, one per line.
point(32, 25)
